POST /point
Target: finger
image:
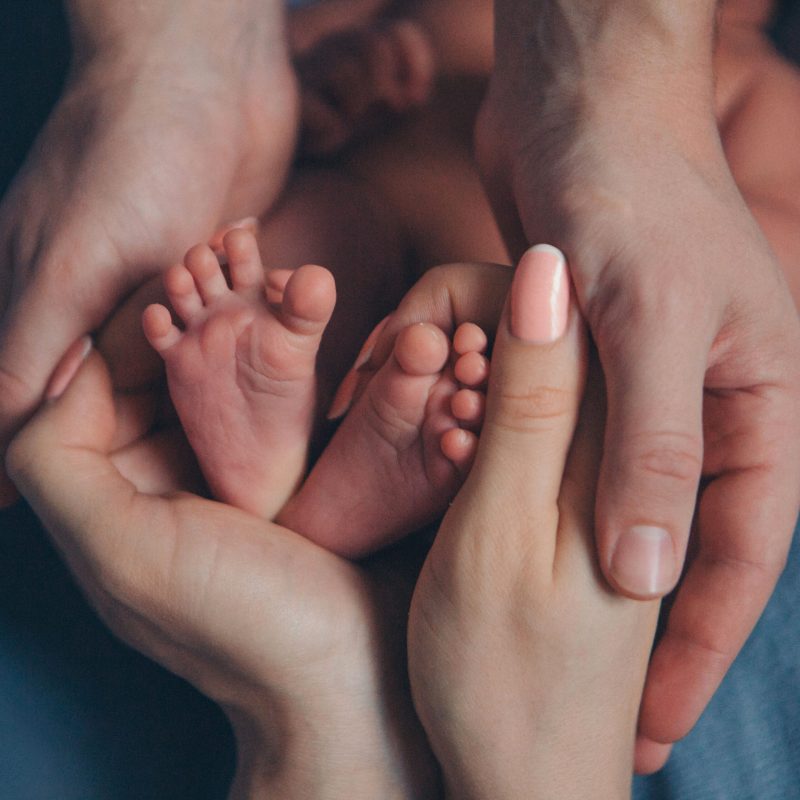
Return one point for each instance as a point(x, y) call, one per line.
point(77, 421)
point(649, 756)
point(60, 462)
point(653, 454)
point(346, 393)
point(132, 362)
point(745, 523)
point(160, 464)
point(33, 337)
point(538, 367)
point(447, 296)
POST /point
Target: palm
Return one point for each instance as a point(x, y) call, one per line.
point(254, 615)
point(128, 172)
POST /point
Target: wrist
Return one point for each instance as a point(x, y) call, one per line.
point(568, 752)
point(286, 752)
point(579, 52)
point(119, 33)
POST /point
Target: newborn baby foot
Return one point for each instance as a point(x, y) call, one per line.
point(242, 373)
point(400, 455)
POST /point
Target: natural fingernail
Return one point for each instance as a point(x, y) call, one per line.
point(369, 345)
point(540, 296)
point(643, 561)
point(343, 398)
point(68, 367)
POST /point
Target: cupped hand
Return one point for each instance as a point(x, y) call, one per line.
point(526, 669)
point(144, 154)
point(303, 650)
point(699, 344)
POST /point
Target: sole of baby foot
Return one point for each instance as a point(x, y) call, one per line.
point(242, 372)
point(397, 459)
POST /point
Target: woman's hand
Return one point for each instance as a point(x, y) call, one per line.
point(304, 651)
point(526, 669)
point(176, 117)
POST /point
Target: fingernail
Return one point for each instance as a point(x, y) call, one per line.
point(367, 350)
point(343, 398)
point(68, 367)
point(540, 296)
point(643, 561)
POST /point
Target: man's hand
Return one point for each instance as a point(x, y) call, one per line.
point(612, 153)
point(176, 117)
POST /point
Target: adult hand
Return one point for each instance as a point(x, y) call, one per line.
point(176, 117)
point(601, 138)
point(526, 669)
point(303, 650)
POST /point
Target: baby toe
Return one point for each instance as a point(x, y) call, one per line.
point(244, 260)
point(204, 267)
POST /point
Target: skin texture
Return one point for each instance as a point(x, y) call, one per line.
point(114, 186)
point(303, 650)
point(773, 548)
point(621, 166)
point(526, 669)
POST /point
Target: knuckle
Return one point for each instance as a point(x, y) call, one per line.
point(538, 408)
point(667, 455)
point(123, 592)
point(619, 305)
point(19, 459)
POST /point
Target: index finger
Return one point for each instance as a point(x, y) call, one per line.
point(60, 462)
point(36, 330)
point(746, 518)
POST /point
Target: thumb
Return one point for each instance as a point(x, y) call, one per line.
point(35, 332)
point(652, 456)
point(59, 460)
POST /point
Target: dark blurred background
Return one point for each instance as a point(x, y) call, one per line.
point(82, 717)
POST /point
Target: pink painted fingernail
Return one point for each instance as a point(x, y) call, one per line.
point(67, 368)
point(540, 296)
point(643, 561)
